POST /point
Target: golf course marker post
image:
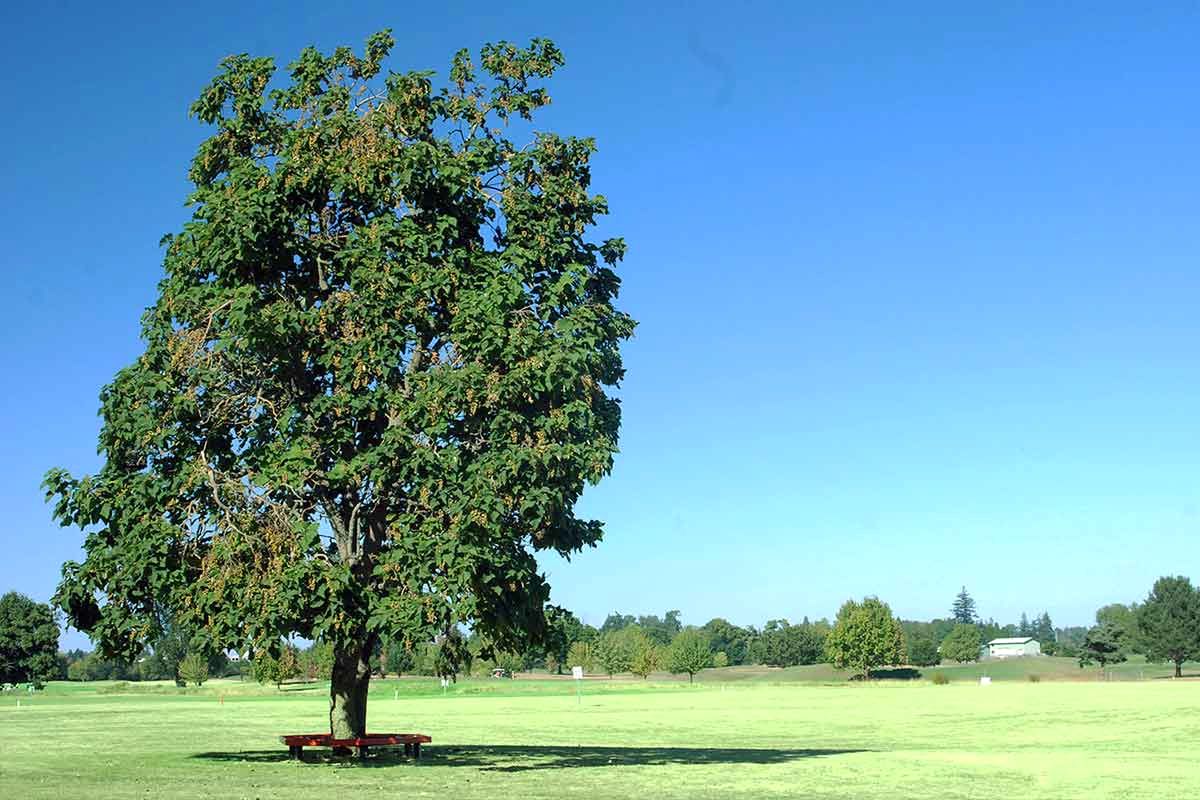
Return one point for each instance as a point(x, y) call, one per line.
point(577, 672)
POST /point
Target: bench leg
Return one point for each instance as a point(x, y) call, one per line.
point(416, 750)
point(362, 751)
point(294, 751)
point(408, 748)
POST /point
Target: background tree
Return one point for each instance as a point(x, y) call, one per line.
point(277, 667)
point(647, 657)
point(28, 641)
point(1104, 645)
point(582, 655)
point(784, 645)
point(613, 651)
point(1023, 627)
point(962, 644)
point(689, 652)
point(1169, 622)
point(1124, 618)
point(728, 638)
point(562, 630)
point(661, 631)
point(397, 657)
point(923, 651)
point(864, 636)
point(316, 662)
point(617, 621)
point(376, 377)
point(194, 668)
point(1043, 631)
point(963, 610)
point(168, 649)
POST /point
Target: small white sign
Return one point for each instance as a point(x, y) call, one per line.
point(577, 672)
point(985, 681)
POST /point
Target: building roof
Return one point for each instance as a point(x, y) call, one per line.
point(1012, 640)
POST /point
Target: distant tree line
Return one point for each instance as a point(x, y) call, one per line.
point(865, 635)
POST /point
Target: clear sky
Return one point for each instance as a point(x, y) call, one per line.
point(917, 283)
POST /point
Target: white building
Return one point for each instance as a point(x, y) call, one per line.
point(1013, 647)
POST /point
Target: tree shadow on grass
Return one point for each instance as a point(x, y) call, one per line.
point(522, 758)
point(893, 674)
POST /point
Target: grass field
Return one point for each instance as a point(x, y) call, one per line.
point(534, 739)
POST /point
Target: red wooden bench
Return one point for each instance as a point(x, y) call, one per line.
point(412, 742)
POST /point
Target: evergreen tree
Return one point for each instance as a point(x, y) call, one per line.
point(963, 610)
point(1043, 629)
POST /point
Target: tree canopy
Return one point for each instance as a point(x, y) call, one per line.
point(962, 644)
point(1103, 645)
point(28, 641)
point(376, 378)
point(963, 610)
point(689, 653)
point(865, 636)
point(1168, 622)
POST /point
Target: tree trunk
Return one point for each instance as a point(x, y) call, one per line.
point(1178, 669)
point(348, 683)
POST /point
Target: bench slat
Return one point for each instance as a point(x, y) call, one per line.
point(370, 740)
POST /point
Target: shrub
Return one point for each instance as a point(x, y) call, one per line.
point(940, 678)
point(1033, 677)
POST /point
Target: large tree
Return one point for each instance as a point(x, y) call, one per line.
point(1168, 622)
point(865, 636)
point(376, 377)
point(28, 641)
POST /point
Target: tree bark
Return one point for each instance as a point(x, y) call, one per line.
point(1178, 669)
point(348, 684)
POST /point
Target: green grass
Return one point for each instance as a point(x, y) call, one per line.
point(738, 738)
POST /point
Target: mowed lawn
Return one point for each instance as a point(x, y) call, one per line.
point(535, 740)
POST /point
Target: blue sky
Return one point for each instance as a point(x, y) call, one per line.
point(917, 283)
